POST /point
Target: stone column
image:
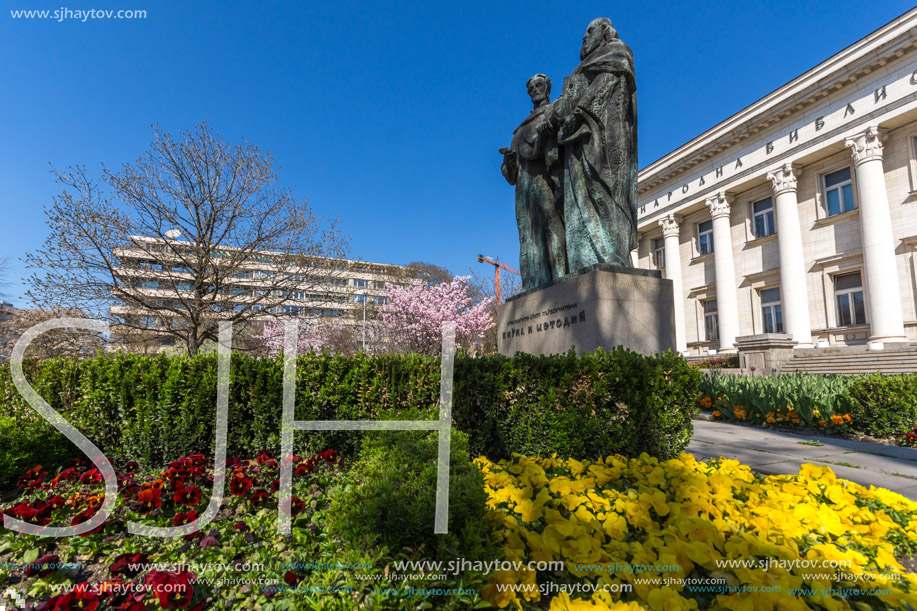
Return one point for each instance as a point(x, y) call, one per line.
point(794, 294)
point(882, 291)
point(673, 272)
point(726, 294)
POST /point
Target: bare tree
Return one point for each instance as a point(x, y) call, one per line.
point(195, 231)
point(60, 342)
point(427, 272)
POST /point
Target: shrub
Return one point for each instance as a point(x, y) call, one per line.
point(884, 405)
point(605, 402)
point(392, 497)
point(149, 409)
point(26, 442)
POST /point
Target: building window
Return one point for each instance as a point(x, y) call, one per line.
point(359, 298)
point(839, 192)
point(771, 312)
point(378, 285)
point(380, 300)
point(659, 253)
point(848, 292)
point(762, 215)
point(711, 322)
point(360, 284)
point(705, 237)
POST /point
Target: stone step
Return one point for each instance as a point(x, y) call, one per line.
point(902, 361)
point(850, 357)
point(856, 363)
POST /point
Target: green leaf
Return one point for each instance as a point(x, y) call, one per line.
point(31, 555)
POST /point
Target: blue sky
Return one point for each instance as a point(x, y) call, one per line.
point(387, 115)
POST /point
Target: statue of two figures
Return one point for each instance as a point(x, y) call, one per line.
point(574, 164)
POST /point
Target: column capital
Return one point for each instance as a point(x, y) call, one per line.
point(783, 179)
point(669, 226)
point(867, 146)
point(719, 204)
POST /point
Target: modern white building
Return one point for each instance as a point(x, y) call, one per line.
point(798, 214)
point(155, 273)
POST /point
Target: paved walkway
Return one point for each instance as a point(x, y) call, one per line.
point(774, 453)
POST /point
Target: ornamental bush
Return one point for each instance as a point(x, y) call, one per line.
point(391, 498)
point(149, 409)
point(884, 405)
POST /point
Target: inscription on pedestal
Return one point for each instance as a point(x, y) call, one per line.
point(547, 320)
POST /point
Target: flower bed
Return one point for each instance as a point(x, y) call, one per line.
point(716, 362)
point(238, 561)
point(648, 530)
point(882, 407)
point(682, 520)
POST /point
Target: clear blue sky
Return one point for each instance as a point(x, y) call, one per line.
point(388, 115)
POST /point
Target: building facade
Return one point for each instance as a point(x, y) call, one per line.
point(316, 287)
point(797, 215)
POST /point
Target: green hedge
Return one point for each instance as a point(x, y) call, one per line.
point(152, 409)
point(885, 405)
point(25, 443)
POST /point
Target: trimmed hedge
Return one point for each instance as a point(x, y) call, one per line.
point(23, 444)
point(152, 409)
point(884, 405)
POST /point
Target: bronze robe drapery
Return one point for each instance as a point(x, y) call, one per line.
point(597, 120)
point(533, 166)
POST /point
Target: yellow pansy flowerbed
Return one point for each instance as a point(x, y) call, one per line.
point(642, 533)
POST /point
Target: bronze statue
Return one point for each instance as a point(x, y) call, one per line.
point(595, 123)
point(533, 165)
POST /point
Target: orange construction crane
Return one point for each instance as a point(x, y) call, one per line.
point(497, 266)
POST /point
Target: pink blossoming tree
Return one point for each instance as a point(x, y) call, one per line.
point(317, 334)
point(415, 315)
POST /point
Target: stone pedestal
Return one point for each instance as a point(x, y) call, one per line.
point(765, 352)
point(606, 306)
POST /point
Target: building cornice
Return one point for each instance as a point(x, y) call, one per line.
point(865, 56)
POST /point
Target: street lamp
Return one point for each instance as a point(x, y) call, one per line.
point(364, 321)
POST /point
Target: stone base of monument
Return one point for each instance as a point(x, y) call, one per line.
point(604, 306)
